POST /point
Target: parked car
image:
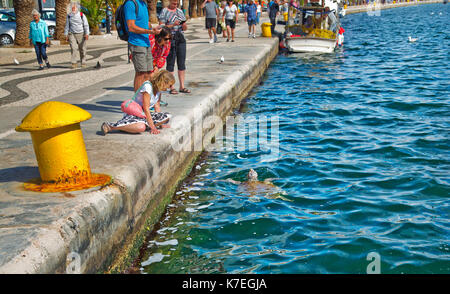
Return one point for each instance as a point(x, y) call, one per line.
point(7, 28)
point(49, 16)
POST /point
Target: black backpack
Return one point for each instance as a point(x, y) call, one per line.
point(121, 22)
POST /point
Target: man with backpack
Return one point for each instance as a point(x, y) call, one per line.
point(138, 27)
point(77, 33)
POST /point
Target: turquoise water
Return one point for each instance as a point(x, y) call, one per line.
point(364, 164)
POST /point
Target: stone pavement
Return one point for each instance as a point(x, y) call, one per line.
point(39, 230)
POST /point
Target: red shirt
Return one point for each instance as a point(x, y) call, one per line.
point(159, 52)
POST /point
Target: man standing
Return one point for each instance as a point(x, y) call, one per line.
point(212, 11)
point(250, 16)
point(139, 28)
point(77, 33)
point(273, 12)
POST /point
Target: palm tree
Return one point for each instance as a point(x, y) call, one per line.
point(199, 8)
point(193, 8)
point(61, 15)
point(152, 11)
point(23, 9)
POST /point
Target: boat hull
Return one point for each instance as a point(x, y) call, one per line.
point(320, 45)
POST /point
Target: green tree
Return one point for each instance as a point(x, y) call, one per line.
point(95, 13)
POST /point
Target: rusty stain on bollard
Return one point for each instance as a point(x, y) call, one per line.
point(59, 148)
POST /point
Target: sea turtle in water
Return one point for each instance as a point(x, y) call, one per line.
point(255, 187)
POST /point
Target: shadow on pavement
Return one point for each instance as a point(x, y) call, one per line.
point(19, 174)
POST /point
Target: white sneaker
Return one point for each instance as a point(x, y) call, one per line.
point(254, 36)
point(249, 35)
point(211, 41)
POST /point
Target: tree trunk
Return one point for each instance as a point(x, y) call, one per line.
point(152, 11)
point(61, 16)
point(23, 10)
point(193, 8)
point(186, 8)
point(199, 8)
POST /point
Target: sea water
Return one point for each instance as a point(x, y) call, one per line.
point(362, 168)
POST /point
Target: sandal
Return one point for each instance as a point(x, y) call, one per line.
point(173, 91)
point(185, 90)
point(105, 128)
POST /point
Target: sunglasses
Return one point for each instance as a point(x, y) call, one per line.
point(167, 39)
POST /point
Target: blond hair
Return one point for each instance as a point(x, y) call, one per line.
point(160, 79)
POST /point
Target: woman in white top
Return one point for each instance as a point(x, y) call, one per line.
point(231, 18)
point(258, 12)
point(148, 96)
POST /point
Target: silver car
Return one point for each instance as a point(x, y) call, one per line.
point(7, 28)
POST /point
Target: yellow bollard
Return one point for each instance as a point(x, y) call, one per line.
point(285, 15)
point(266, 29)
point(59, 148)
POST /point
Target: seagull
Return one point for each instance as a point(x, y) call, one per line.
point(222, 59)
point(412, 39)
point(16, 61)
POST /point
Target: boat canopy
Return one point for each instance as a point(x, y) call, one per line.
point(311, 20)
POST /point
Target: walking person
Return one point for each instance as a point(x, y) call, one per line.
point(139, 29)
point(77, 33)
point(250, 16)
point(258, 11)
point(39, 37)
point(273, 12)
point(148, 96)
point(231, 18)
point(221, 22)
point(173, 18)
point(108, 19)
point(212, 11)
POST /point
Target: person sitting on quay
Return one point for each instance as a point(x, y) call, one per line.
point(148, 96)
point(250, 14)
point(39, 37)
point(77, 33)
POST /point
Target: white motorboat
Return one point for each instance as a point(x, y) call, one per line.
point(314, 27)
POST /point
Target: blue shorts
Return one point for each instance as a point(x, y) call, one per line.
point(251, 22)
